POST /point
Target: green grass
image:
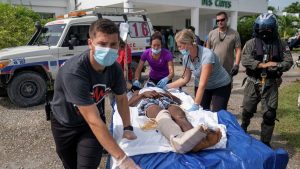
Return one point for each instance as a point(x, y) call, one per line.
point(289, 114)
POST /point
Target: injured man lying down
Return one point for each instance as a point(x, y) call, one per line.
point(171, 121)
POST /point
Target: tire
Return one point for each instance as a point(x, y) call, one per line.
point(3, 92)
point(27, 89)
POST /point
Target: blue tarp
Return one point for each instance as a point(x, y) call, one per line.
point(243, 152)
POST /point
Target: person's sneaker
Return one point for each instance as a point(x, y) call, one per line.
point(186, 141)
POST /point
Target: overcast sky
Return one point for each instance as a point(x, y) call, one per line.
point(281, 3)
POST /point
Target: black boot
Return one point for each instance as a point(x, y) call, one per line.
point(244, 126)
point(266, 133)
point(267, 144)
point(245, 123)
point(246, 116)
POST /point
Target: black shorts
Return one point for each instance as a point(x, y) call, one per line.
point(218, 97)
point(77, 147)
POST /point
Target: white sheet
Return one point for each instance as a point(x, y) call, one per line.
point(152, 141)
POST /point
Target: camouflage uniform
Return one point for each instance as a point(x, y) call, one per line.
point(253, 93)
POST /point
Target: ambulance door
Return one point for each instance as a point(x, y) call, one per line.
point(75, 42)
point(139, 35)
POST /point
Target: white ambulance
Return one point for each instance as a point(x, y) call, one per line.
point(27, 72)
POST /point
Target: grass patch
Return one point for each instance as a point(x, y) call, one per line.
point(289, 114)
point(296, 49)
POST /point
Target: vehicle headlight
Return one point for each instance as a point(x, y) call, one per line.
point(4, 63)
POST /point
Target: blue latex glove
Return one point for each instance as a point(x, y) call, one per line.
point(163, 82)
point(137, 84)
point(194, 108)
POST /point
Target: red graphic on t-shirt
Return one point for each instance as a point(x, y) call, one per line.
point(99, 92)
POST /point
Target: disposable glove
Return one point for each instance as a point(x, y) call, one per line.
point(166, 87)
point(127, 163)
point(235, 70)
point(163, 82)
point(194, 107)
point(136, 83)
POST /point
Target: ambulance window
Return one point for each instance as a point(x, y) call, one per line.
point(139, 29)
point(80, 32)
point(50, 35)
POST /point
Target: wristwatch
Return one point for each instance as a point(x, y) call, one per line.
point(130, 128)
point(279, 65)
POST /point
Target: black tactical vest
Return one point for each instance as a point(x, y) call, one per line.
point(275, 55)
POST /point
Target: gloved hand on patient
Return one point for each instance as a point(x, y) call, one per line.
point(136, 83)
point(163, 82)
point(194, 107)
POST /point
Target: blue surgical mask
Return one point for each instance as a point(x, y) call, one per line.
point(156, 51)
point(184, 52)
point(105, 56)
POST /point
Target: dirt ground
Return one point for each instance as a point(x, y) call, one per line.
point(27, 143)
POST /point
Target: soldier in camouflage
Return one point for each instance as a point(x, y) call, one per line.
point(265, 57)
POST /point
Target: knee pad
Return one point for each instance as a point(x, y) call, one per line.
point(269, 117)
point(247, 115)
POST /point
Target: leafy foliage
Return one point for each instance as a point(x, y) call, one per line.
point(245, 27)
point(17, 25)
point(286, 27)
point(273, 9)
point(293, 8)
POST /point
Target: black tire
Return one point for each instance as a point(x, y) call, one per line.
point(27, 89)
point(3, 92)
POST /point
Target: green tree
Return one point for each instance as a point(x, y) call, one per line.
point(286, 28)
point(293, 8)
point(272, 8)
point(245, 27)
point(17, 25)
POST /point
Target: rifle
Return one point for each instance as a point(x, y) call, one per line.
point(266, 50)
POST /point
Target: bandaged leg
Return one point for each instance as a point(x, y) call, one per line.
point(166, 125)
point(182, 142)
point(186, 141)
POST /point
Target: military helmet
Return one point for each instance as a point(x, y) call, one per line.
point(266, 26)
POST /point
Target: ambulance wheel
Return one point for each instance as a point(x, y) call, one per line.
point(27, 89)
point(3, 92)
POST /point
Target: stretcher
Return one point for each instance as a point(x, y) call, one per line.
point(236, 149)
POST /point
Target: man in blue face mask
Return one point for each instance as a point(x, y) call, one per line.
point(78, 119)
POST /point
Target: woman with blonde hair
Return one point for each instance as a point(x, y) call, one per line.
point(212, 82)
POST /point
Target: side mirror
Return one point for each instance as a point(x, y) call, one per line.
point(38, 25)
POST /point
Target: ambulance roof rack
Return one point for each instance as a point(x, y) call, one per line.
point(103, 10)
point(117, 10)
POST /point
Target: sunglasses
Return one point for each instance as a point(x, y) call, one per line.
point(220, 20)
